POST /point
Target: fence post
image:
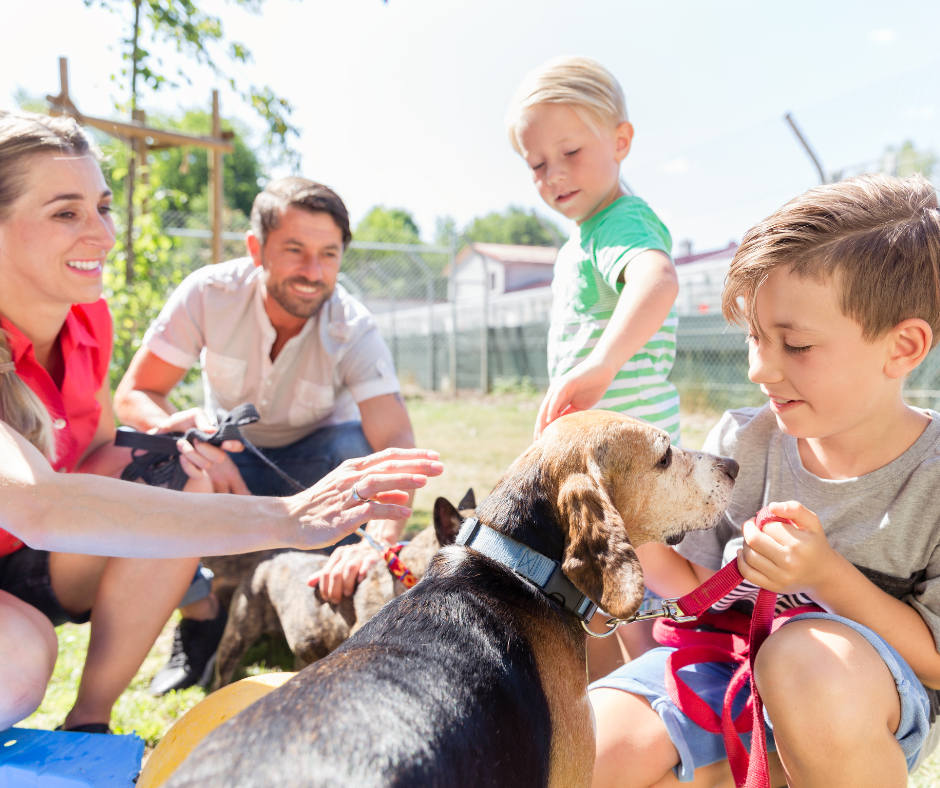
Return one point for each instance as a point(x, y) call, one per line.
point(485, 331)
point(432, 383)
point(452, 338)
point(429, 294)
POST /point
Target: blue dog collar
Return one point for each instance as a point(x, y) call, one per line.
point(540, 570)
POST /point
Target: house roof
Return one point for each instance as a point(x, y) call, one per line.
point(512, 253)
point(727, 251)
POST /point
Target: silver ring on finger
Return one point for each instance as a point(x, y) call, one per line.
point(358, 498)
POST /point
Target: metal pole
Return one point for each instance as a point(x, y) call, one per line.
point(432, 383)
point(484, 331)
point(216, 182)
point(789, 119)
point(452, 338)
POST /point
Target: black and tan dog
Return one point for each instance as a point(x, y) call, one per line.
point(475, 677)
point(272, 597)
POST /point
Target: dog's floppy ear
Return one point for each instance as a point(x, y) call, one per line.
point(469, 501)
point(599, 558)
point(446, 522)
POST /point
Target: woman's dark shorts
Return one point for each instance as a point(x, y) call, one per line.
point(25, 575)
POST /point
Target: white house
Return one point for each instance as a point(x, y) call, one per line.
point(701, 278)
point(508, 268)
point(520, 293)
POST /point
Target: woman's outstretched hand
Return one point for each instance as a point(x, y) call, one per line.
point(328, 511)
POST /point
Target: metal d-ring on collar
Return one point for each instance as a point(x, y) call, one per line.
point(540, 570)
point(670, 609)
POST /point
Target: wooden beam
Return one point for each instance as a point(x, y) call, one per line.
point(136, 129)
point(216, 182)
point(130, 130)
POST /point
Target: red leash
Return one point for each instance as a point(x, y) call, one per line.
point(737, 641)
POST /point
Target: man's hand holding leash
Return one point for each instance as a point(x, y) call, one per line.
point(220, 471)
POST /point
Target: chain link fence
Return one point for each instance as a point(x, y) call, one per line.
point(456, 324)
point(192, 233)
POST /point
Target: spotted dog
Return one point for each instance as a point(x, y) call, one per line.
point(272, 597)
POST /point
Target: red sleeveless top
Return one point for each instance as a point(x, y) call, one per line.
point(86, 340)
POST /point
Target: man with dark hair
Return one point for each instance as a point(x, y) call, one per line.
point(274, 329)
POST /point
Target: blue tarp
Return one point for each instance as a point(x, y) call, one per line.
point(55, 759)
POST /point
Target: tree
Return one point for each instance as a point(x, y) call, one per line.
point(185, 171)
point(388, 225)
point(514, 226)
point(907, 160)
point(176, 179)
point(199, 35)
point(445, 227)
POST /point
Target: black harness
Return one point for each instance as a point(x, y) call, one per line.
point(156, 459)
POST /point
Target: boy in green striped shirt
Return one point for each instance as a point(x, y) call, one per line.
point(612, 340)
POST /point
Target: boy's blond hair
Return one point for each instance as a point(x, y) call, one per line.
point(578, 82)
point(876, 236)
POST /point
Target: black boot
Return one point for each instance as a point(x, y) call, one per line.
point(192, 659)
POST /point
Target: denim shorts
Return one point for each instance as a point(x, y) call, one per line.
point(25, 575)
point(645, 676)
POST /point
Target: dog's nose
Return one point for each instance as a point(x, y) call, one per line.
point(729, 467)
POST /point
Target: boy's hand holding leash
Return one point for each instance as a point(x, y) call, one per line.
point(787, 558)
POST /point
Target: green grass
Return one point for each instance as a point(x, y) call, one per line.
point(135, 711)
point(478, 437)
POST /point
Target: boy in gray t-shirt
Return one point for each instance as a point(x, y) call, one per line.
point(840, 290)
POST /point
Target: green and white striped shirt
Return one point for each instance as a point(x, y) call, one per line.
point(584, 294)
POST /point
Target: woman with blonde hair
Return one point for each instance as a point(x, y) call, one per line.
point(55, 349)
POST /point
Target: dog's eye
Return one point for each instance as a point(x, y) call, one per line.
point(666, 460)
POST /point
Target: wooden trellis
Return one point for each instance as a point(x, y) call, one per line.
point(142, 139)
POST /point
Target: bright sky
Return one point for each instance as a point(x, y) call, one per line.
point(402, 104)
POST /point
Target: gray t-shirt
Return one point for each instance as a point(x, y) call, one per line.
point(887, 522)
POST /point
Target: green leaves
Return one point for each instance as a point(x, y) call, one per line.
point(388, 225)
point(197, 34)
point(276, 111)
point(514, 226)
point(160, 261)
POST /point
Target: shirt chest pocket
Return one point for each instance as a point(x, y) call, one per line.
point(311, 403)
point(226, 377)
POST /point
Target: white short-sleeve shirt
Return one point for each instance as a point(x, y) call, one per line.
point(338, 360)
